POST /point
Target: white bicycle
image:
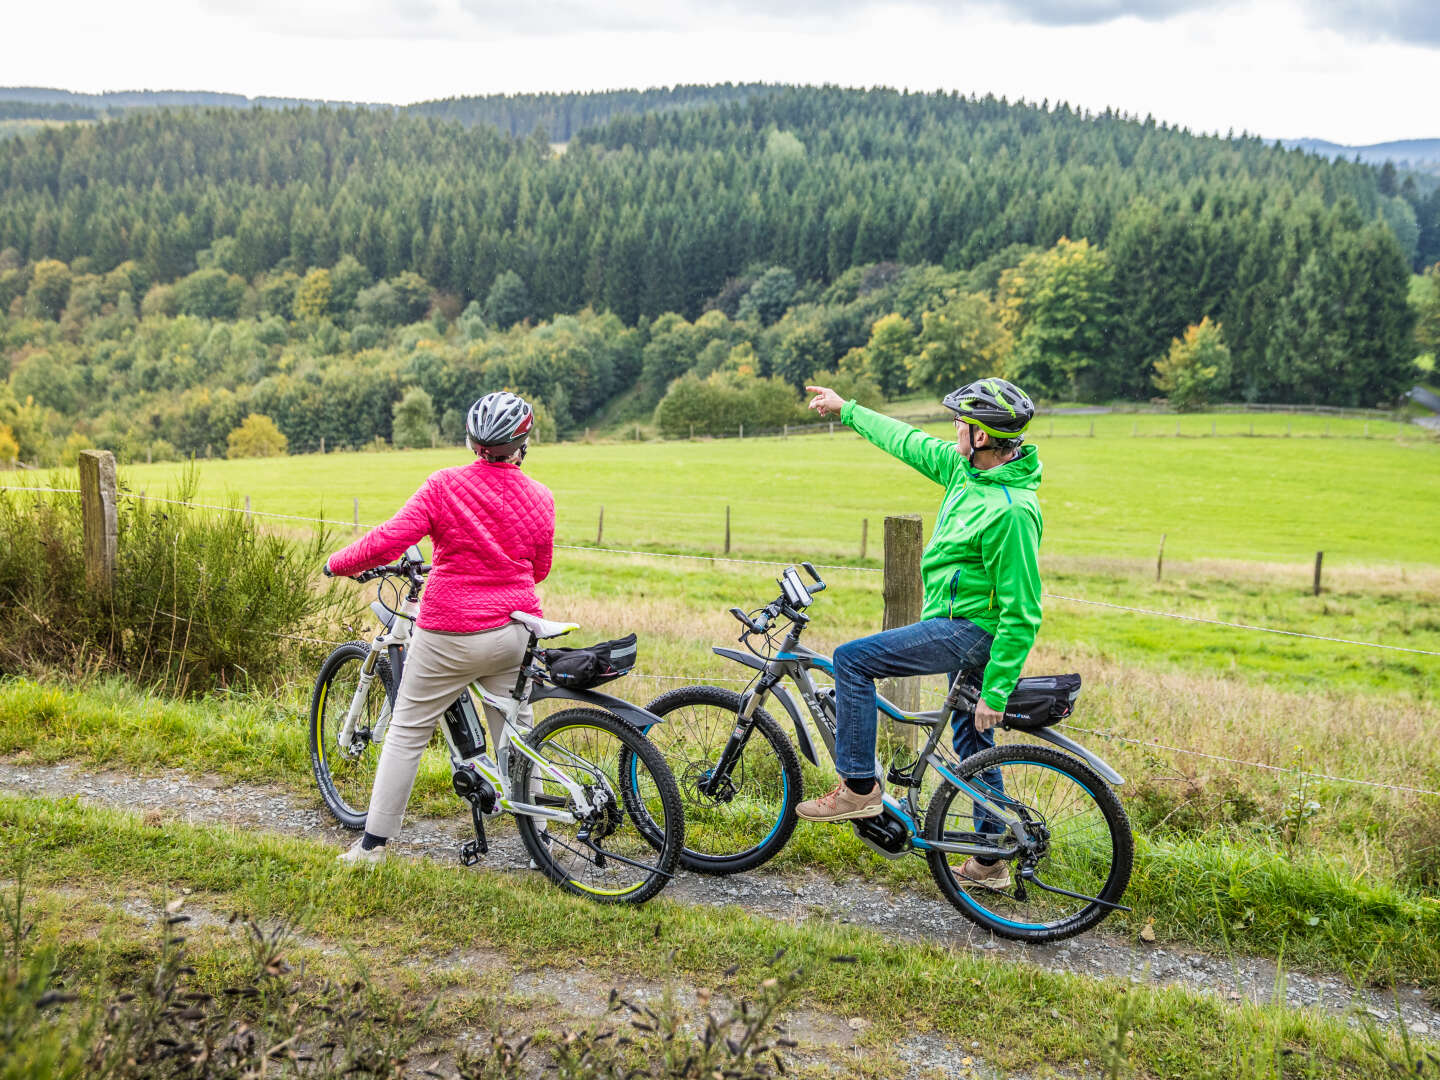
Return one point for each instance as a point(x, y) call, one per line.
point(596, 805)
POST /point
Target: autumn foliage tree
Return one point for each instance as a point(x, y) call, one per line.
point(1196, 367)
point(257, 436)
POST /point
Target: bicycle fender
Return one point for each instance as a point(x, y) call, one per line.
point(1093, 760)
point(632, 714)
point(802, 731)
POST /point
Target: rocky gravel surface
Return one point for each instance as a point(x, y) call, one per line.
point(906, 916)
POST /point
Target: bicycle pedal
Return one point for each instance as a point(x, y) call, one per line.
point(897, 777)
point(470, 853)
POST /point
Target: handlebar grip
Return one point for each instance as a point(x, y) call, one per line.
point(747, 622)
point(819, 584)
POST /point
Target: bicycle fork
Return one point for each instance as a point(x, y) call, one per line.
point(717, 784)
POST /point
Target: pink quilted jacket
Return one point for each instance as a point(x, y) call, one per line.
point(493, 533)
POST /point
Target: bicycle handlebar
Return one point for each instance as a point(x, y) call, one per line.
point(396, 569)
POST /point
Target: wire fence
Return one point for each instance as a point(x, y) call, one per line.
point(710, 679)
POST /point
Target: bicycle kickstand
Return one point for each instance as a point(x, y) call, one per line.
point(470, 853)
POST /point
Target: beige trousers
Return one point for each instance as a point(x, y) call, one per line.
point(437, 668)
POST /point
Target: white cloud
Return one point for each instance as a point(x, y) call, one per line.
point(1262, 67)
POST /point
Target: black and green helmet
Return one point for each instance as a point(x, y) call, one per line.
point(995, 406)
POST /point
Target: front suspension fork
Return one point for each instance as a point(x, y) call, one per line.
point(716, 784)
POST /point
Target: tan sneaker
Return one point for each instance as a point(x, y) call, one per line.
point(974, 872)
point(842, 804)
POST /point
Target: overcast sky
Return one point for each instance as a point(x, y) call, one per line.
point(1352, 71)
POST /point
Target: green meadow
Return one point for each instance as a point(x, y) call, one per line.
point(1358, 490)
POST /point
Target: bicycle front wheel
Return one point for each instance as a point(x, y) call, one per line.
point(603, 854)
point(740, 820)
point(345, 774)
point(1081, 843)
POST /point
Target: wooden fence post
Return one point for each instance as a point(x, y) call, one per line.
point(247, 504)
point(742, 429)
point(1319, 558)
point(727, 528)
point(600, 527)
point(322, 444)
point(98, 501)
point(357, 513)
point(904, 596)
point(1160, 558)
point(864, 535)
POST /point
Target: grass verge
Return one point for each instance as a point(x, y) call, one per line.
point(411, 909)
point(1211, 890)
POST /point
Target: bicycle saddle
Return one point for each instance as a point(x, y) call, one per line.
point(543, 628)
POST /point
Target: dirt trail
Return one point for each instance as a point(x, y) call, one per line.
point(905, 916)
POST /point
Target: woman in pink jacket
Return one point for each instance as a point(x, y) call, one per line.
point(492, 531)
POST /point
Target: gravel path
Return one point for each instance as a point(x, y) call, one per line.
point(906, 916)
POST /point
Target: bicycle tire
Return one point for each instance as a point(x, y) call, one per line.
point(346, 795)
point(708, 828)
point(634, 753)
point(1073, 861)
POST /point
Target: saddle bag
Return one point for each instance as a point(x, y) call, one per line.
point(1041, 700)
point(580, 669)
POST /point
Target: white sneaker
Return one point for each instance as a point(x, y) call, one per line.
point(356, 855)
point(545, 838)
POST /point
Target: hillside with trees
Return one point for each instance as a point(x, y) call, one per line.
point(166, 275)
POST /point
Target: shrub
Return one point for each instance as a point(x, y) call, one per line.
point(414, 419)
point(201, 599)
point(1196, 368)
point(257, 436)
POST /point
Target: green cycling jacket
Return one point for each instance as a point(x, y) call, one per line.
point(982, 562)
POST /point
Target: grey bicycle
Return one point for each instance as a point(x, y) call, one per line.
point(595, 803)
point(1047, 812)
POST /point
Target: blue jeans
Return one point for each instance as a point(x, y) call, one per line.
point(953, 646)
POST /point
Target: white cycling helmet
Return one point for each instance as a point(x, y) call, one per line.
point(499, 424)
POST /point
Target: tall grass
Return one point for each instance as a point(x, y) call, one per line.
point(201, 600)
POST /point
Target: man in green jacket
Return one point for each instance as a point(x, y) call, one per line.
point(982, 585)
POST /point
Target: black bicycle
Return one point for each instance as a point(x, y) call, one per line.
point(1049, 814)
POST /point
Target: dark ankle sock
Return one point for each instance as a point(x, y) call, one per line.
point(369, 840)
point(863, 786)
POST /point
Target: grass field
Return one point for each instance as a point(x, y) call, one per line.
point(1233, 497)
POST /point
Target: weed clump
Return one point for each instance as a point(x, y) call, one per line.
point(202, 599)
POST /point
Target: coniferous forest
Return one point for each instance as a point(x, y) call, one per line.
point(361, 274)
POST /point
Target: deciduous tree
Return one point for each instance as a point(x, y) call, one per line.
point(257, 436)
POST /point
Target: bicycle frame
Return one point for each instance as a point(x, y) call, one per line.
point(795, 662)
point(394, 638)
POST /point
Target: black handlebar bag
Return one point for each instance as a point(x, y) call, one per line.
point(580, 669)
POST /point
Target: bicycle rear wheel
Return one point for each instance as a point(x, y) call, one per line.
point(1082, 842)
point(345, 774)
point(603, 854)
point(742, 820)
